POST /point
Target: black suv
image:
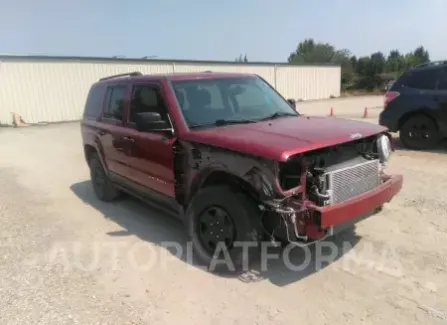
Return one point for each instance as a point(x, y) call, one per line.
point(416, 106)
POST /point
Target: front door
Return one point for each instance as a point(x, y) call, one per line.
point(151, 155)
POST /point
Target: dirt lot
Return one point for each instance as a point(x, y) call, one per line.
point(66, 258)
point(347, 107)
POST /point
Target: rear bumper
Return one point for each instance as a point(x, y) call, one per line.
point(359, 207)
point(389, 120)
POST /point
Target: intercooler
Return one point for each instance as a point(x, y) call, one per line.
point(345, 182)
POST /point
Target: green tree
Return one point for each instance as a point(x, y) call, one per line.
point(308, 51)
point(421, 55)
point(411, 60)
point(353, 60)
point(395, 62)
point(378, 62)
point(241, 58)
point(367, 72)
point(418, 56)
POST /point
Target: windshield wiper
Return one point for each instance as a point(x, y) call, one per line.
point(222, 122)
point(278, 114)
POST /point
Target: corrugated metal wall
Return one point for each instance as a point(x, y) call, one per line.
point(54, 91)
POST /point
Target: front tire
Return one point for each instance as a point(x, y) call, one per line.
point(419, 132)
point(102, 185)
point(224, 227)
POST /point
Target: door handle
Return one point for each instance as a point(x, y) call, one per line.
point(129, 139)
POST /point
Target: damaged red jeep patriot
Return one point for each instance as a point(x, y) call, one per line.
point(233, 159)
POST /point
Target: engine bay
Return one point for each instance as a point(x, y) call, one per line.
point(318, 165)
point(324, 177)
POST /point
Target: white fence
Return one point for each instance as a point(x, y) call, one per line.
point(45, 89)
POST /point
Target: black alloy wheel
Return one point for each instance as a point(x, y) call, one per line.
point(222, 214)
point(419, 132)
point(215, 226)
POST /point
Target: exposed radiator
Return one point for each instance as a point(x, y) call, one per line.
point(347, 182)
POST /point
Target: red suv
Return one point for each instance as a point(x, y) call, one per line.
point(231, 157)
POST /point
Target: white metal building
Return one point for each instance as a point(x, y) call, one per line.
point(54, 89)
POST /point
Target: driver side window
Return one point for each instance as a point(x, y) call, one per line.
point(147, 98)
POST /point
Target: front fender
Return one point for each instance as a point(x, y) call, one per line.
point(206, 164)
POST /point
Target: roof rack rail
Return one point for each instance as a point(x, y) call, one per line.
point(431, 63)
point(130, 74)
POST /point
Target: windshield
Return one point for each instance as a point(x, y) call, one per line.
point(250, 99)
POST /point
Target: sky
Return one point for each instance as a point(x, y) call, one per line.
point(264, 30)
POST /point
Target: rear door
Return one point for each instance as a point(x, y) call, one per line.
point(112, 132)
point(151, 153)
point(442, 101)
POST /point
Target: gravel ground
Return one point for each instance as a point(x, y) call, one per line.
point(349, 107)
point(66, 258)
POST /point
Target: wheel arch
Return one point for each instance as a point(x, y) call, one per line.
point(90, 150)
point(200, 166)
point(219, 176)
point(409, 115)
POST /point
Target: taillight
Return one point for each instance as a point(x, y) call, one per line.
point(390, 96)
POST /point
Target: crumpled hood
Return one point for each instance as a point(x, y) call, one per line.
point(280, 138)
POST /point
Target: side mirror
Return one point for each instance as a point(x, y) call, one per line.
point(151, 121)
point(292, 103)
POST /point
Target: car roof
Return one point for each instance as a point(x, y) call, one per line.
point(136, 76)
point(430, 65)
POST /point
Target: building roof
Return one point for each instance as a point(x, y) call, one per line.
point(46, 58)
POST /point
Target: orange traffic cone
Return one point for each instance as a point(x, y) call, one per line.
point(17, 120)
point(365, 113)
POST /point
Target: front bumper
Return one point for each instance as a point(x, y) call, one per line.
point(359, 206)
point(306, 224)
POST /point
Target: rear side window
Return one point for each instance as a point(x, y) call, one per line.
point(443, 81)
point(421, 79)
point(94, 101)
point(115, 97)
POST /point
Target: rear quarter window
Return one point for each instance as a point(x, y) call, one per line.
point(94, 101)
point(420, 79)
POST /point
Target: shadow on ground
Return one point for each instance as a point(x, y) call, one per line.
point(440, 148)
point(141, 220)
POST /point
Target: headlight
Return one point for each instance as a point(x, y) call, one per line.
point(384, 148)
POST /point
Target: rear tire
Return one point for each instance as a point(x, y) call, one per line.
point(221, 211)
point(102, 185)
point(419, 132)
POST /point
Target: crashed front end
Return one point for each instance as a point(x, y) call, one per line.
point(324, 191)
